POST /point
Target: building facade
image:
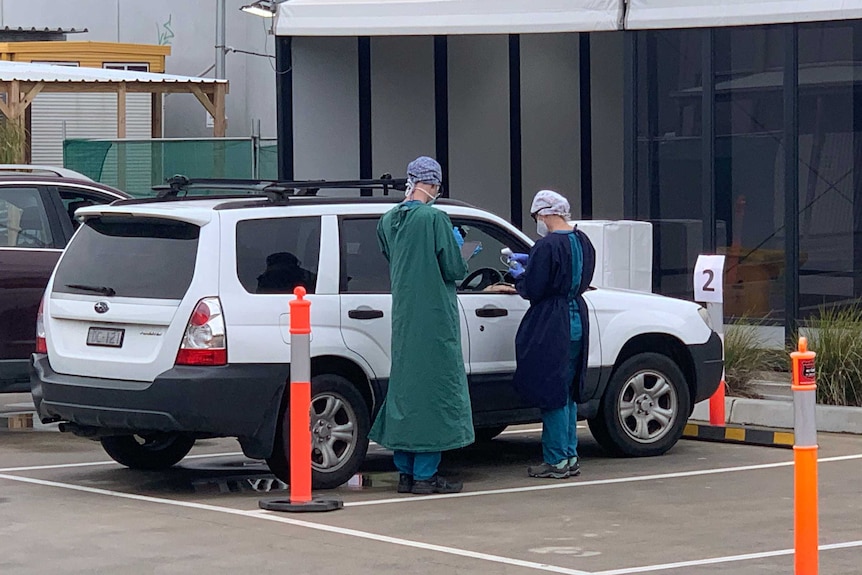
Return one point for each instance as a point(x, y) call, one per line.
point(733, 128)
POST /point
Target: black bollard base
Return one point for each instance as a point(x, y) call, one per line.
point(313, 506)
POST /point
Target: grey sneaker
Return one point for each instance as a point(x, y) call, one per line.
point(574, 467)
point(548, 471)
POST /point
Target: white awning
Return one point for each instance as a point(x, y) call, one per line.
point(659, 14)
point(28, 72)
point(445, 17)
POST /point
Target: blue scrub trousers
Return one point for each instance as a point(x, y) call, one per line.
point(422, 466)
point(560, 426)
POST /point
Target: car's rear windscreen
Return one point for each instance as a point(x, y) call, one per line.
point(130, 257)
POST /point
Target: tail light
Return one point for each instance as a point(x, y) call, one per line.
point(41, 342)
point(204, 342)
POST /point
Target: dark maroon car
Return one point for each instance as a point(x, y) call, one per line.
point(36, 222)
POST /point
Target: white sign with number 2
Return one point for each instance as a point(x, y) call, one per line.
point(709, 279)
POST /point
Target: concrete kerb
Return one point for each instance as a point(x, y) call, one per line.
point(778, 415)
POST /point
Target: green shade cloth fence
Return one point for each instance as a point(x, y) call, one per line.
point(135, 166)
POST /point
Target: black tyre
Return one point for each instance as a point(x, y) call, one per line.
point(485, 434)
point(339, 433)
point(151, 452)
point(644, 408)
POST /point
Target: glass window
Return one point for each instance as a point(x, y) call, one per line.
point(669, 153)
point(830, 151)
point(273, 256)
point(364, 269)
point(74, 198)
point(485, 265)
point(131, 257)
point(23, 221)
point(749, 168)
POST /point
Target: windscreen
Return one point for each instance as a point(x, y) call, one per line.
point(130, 257)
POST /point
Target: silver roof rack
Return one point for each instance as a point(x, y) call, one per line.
point(38, 170)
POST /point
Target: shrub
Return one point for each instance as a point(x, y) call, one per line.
point(836, 336)
point(745, 355)
point(12, 141)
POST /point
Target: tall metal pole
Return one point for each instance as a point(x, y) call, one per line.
point(220, 35)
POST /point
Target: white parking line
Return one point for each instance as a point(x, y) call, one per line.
point(572, 484)
point(97, 463)
point(266, 515)
point(718, 560)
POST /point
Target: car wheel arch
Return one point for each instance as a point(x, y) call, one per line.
point(664, 344)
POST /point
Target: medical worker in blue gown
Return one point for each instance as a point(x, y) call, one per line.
point(551, 344)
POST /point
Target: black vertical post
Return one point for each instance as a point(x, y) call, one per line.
point(791, 181)
point(630, 126)
point(516, 178)
point(365, 142)
point(707, 143)
point(857, 173)
point(651, 205)
point(441, 107)
point(586, 116)
point(284, 106)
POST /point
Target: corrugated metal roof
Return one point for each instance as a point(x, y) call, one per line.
point(28, 72)
point(35, 30)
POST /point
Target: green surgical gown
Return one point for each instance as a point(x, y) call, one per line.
point(427, 406)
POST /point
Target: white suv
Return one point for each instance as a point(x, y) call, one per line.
point(167, 320)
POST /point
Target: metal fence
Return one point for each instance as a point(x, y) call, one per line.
point(135, 166)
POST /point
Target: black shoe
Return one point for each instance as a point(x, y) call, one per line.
point(436, 485)
point(405, 483)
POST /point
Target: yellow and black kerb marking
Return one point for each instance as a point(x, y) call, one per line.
point(739, 434)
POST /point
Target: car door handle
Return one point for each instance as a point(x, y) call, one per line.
point(492, 312)
point(364, 314)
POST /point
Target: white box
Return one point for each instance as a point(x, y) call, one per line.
point(624, 253)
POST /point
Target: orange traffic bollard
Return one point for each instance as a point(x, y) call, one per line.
point(805, 522)
point(716, 405)
point(300, 415)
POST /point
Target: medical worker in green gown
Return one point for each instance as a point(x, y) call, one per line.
point(427, 407)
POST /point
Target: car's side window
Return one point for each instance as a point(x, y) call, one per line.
point(485, 265)
point(364, 269)
point(74, 198)
point(23, 220)
point(276, 255)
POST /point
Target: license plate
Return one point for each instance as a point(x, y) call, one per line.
point(105, 337)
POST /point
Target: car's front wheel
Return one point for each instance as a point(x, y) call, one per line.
point(339, 433)
point(644, 408)
point(150, 452)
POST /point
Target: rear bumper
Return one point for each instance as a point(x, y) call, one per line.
point(708, 366)
point(232, 401)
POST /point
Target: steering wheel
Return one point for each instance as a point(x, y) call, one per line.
point(489, 276)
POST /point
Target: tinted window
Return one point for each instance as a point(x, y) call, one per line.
point(23, 223)
point(134, 257)
point(363, 267)
point(276, 255)
point(74, 198)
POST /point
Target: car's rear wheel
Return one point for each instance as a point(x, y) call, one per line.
point(152, 451)
point(644, 408)
point(339, 433)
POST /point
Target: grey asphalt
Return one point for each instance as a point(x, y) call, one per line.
point(702, 508)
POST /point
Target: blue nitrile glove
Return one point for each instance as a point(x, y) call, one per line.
point(521, 258)
point(477, 250)
point(458, 238)
point(516, 270)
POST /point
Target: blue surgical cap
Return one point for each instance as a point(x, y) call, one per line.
point(425, 170)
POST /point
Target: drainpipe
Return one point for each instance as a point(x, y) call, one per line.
point(220, 43)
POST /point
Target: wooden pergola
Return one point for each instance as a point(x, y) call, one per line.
point(20, 83)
